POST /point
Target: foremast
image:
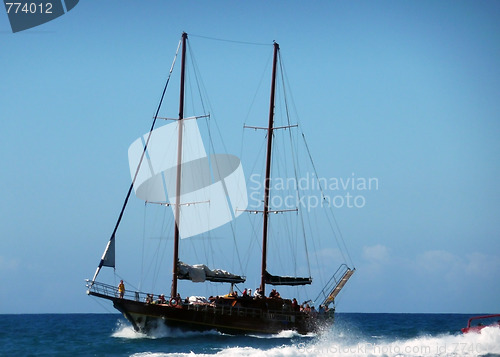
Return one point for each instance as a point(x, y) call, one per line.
point(173, 292)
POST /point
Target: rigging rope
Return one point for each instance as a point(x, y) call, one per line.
point(192, 59)
point(140, 162)
point(294, 164)
point(333, 216)
point(232, 41)
point(143, 242)
point(201, 89)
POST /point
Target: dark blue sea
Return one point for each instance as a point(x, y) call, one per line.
point(352, 335)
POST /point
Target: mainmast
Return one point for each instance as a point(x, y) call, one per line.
point(179, 167)
point(267, 182)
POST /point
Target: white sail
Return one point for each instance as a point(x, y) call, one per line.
point(213, 189)
point(108, 258)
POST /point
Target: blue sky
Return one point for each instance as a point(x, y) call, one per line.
point(406, 92)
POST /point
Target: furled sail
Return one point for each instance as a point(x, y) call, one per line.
point(199, 273)
point(286, 280)
point(213, 189)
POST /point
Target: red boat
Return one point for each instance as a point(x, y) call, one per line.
point(477, 328)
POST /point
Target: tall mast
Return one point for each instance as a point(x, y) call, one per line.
point(179, 166)
point(267, 182)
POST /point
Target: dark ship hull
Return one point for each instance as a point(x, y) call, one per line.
point(232, 315)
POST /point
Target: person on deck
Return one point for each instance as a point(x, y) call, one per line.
point(121, 289)
point(313, 312)
point(258, 293)
point(274, 294)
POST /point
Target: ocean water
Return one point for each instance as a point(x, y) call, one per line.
point(352, 335)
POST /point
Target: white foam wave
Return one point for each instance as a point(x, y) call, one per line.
point(232, 351)
point(126, 331)
point(487, 342)
point(284, 334)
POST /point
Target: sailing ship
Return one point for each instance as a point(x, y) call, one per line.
point(153, 180)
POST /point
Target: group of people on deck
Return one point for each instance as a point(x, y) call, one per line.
point(311, 310)
point(151, 300)
point(247, 293)
point(304, 307)
point(257, 294)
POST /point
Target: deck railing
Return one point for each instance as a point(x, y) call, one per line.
point(112, 291)
point(221, 309)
